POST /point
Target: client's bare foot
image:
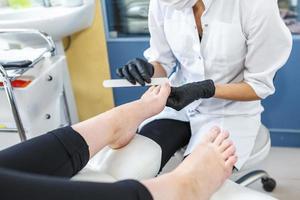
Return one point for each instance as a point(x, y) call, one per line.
point(211, 163)
point(150, 104)
point(155, 99)
point(201, 174)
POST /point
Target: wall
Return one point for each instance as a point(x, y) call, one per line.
point(88, 66)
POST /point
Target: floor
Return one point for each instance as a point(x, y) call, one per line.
point(283, 164)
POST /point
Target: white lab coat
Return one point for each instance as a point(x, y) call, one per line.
point(242, 41)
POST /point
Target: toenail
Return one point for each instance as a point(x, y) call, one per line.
point(226, 134)
point(215, 129)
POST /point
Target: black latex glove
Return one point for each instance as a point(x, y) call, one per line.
point(137, 70)
point(184, 95)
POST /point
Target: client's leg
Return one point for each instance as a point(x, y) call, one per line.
point(197, 178)
point(118, 126)
point(201, 174)
point(65, 151)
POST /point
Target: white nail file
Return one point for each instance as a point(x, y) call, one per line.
point(114, 83)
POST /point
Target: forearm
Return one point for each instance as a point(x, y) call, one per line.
point(158, 70)
point(236, 92)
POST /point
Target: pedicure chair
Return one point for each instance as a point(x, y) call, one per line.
point(146, 156)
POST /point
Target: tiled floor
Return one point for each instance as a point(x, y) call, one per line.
point(283, 164)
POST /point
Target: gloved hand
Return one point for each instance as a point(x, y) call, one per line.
point(184, 95)
point(137, 70)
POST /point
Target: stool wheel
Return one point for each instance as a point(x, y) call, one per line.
point(269, 184)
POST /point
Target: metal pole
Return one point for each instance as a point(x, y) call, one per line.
point(67, 111)
point(252, 177)
point(11, 99)
point(298, 10)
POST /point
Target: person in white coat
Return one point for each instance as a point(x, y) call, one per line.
point(221, 58)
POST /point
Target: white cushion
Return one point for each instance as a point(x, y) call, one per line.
point(139, 160)
point(93, 176)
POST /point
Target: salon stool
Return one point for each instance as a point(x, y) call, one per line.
point(260, 152)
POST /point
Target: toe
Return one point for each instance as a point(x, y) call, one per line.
point(229, 164)
point(230, 151)
point(157, 89)
point(212, 134)
point(225, 145)
point(221, 137)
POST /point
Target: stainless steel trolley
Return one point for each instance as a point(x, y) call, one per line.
point(10, 71)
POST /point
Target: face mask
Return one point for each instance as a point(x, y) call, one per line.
point(180, 4)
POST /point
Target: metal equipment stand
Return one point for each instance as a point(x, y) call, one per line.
point(17, 69)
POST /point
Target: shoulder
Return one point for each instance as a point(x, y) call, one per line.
point(258, 7)
point(258, 13)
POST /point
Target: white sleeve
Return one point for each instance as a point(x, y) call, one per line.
point(269, 44)
point(159, 49)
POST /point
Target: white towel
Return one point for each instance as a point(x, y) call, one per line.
point(4, 44)
point(15, 55)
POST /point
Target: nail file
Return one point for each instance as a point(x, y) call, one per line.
point(114, 83)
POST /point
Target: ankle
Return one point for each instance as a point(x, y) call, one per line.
point(125, 118)
point(189, 187)
point(181, 184)
point(112, 124)
point(164, 187)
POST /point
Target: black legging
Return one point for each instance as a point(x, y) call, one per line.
point(40, 169)
point(170, 134)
